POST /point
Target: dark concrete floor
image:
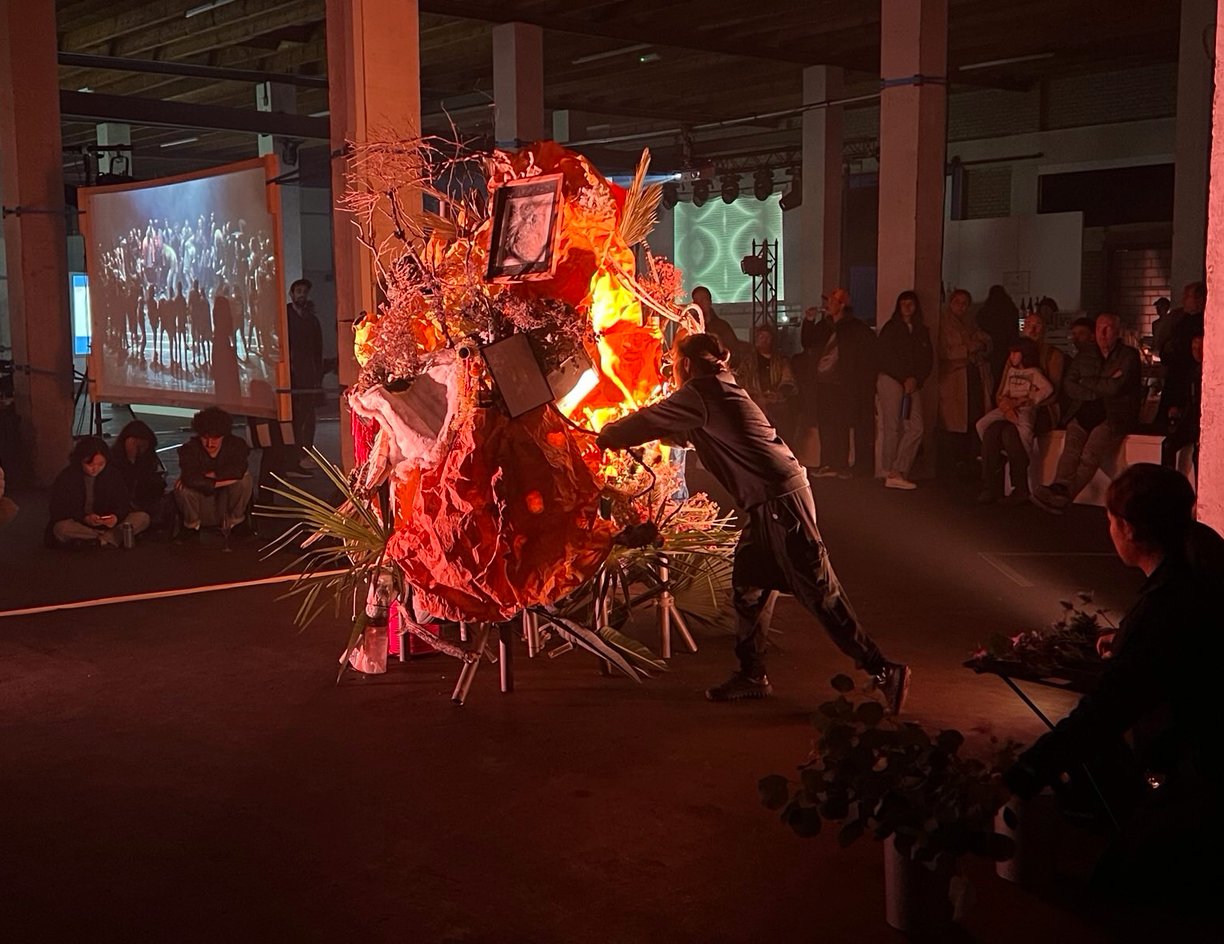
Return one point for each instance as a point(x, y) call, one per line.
point(187, 769)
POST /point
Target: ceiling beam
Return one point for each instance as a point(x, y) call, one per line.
point(150, 112)
point(193, 70)
point(578, 19)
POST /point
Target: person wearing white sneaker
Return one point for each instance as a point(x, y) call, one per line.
point(905, 358)
point(780, 549)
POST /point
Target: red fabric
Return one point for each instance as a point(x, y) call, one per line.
point(508, 520)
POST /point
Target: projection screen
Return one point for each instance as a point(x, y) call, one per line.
point(186, 292)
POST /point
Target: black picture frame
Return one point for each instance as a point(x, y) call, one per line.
point(523, 243)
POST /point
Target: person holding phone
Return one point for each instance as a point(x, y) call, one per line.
point(90, 501)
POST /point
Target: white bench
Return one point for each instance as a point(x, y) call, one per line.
point(1137, 447)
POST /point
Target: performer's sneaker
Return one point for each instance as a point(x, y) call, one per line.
point(740, 686)
point(893, 683)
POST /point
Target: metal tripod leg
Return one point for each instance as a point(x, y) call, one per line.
point(669, 613)
point(505, 656)
point(470, 664)
point(531, 633)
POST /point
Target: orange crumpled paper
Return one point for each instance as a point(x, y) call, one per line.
point(509, 519)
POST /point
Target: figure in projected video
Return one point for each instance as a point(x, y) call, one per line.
point(184, 291)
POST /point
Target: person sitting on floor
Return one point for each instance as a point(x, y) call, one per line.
point(1175, 824)
point(1103, 384)
point(214, 485)
point(134, 456)
point(1009, 428)
point(89, 501)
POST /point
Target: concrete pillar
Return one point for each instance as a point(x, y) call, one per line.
point(820, 214)
point(374, 86)
point(518, 83)
point(913, 146)
point(1193, 142)
point(569, 125)
point(279, 97)
point(114, 148)
point(1211, 457)
point(35, 240)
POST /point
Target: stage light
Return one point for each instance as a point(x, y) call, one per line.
point(793, 197)
point(671, 196)
point(701, 192)
point(762, 183)
point(753, 265)
point(730, 187)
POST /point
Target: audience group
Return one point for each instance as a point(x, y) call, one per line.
point(1001, 385)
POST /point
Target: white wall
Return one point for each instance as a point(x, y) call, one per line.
point(1031, 255)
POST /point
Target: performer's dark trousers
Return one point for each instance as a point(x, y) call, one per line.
point(780, 550)
point(304, 407)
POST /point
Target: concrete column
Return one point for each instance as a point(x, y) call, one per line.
point(820, 215)
point(569, 125)
point(374, 85)
point(518, 83)
point(1193, 142)
point(35, 240)
point(1211, 457)
point(913, 146)
point(279, 97)
point(119, 137)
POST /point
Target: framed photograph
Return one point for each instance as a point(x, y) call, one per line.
point(525, 230)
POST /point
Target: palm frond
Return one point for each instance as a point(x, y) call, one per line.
point(641, 211)
point(579, 635)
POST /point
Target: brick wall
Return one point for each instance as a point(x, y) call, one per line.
point(1132, 95)
point(990, 113)
point(987, 191)
point(1137, 277)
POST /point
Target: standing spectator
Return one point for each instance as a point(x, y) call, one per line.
point(1103, 384)
point(8, 507)
point(1185, 410)
point(845, 380)
point(771, 382)
point(964, 378)
point(718, 326)
point(905, 359)
point(89, 501)
point(1009, 427)
point(134, 456)
point(305, 367)
point(1000, 319)
point(1162, 325)
point(807, 419)
point(1176, 357)
point(214, 486)
point(1051, 361)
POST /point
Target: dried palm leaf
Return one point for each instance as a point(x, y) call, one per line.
point(641, 211)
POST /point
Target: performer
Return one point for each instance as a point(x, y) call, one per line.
point(780, 548)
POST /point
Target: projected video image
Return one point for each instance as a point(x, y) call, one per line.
point(184, 293)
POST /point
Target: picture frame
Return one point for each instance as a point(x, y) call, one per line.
point(523, 245)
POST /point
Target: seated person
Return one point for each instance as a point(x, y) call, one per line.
point(134, 456)
point(1103, 385)
point(8, 507)
point(1148, 689)
point(89, 500)
point(214, 485)
point(1010, 427)
point(1184, 404)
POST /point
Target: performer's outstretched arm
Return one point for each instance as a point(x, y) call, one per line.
point(673, 419)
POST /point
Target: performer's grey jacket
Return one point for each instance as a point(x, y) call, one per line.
point(731, 435)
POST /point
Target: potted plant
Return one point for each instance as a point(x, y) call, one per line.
point(873, 775)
